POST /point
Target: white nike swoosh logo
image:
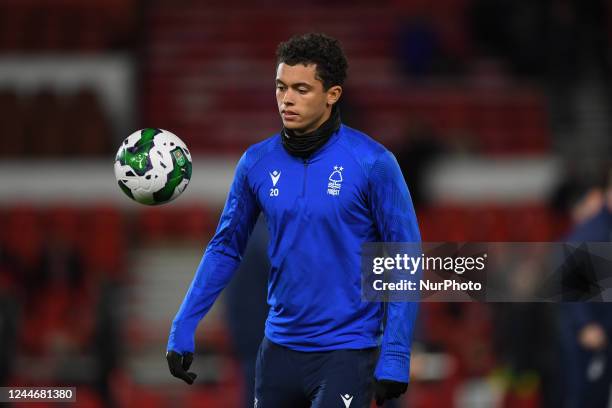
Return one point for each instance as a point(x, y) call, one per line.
point(275, 178)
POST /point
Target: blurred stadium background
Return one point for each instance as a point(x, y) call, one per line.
point(498, 111)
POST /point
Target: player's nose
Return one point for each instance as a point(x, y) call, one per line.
point(287, 99)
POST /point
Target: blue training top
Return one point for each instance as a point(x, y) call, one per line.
point(319, 211)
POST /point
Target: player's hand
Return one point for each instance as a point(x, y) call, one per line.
point(179, 364)
point(387, 389)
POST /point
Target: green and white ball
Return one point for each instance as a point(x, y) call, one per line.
point(153, 166)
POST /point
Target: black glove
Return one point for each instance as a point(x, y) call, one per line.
point(387, 389)
point(179, 364)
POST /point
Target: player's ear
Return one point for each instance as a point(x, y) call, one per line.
point(333, 94)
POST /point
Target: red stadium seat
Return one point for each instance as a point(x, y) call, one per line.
point(64, 223)
point(102, 240)
point(152, 224)
point(195, 223)
point(23, 234)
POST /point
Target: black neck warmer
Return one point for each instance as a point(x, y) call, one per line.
point(305, 145)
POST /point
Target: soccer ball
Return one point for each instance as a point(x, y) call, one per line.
point(153, 166)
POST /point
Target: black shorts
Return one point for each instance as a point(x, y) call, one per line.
point(286, 378)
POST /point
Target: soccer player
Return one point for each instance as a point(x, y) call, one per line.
point(324, 189)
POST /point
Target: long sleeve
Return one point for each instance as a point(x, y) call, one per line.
point(394, 215)
point(221, 259)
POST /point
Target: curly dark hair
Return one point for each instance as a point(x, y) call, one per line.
point(314, 48)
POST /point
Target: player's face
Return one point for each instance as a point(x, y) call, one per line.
point(302, 102)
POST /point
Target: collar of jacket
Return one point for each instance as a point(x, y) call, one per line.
point(305, 145)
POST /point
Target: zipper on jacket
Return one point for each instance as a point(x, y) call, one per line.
point(305, 172)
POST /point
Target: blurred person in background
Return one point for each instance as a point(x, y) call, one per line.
point(530, 363)
point(325, 189)
point(9, 320)
point(418, 47)
point(415, 155)
point(106, 340)
point(586, 327)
